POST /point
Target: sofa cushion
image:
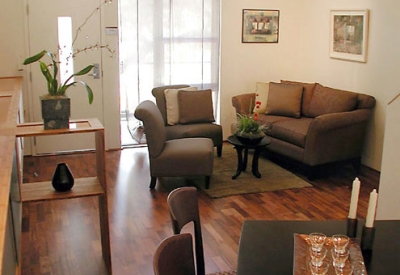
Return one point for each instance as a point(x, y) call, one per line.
point(308, 90)
point(292, 130)
point(327, 100)
point(195, 106)
point(262, 90)
point(284, 99)
point(171, 102)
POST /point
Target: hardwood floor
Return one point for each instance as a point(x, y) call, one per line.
point(62, 237)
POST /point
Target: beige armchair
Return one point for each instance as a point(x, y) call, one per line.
point(173, 158)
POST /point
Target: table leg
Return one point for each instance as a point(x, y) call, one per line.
point(246, 153)
point(254, 167)
point(240, 162)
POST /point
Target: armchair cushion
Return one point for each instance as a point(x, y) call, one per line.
point(171, 102)
point(195, 106)
point(284, 99)
point(327, 100)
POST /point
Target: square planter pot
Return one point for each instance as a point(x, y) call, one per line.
point(56, 112)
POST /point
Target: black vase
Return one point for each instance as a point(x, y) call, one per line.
point(62, 180)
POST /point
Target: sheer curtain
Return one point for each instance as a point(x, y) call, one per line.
point(170, 42)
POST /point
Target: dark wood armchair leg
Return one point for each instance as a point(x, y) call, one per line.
point(153, 182)
point(208, 179)
point(219, 150)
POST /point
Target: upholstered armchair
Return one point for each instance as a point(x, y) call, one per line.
point(177, 157)
point(200, 124)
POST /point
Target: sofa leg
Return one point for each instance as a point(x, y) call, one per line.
point(153, 182)
point(207, 181)
point(356, 163)
point(311, 172)
point(219, 150)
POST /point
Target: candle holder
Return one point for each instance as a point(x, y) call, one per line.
point(352, 227)
point(367, 238)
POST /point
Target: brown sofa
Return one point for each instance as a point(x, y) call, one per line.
point(203, 127)
point(311, 124)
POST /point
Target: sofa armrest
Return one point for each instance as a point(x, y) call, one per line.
point(335, 137)
point(339, 120)
point(242, 103)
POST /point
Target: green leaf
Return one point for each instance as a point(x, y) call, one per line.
point(84, 70)
point(34, 58)
point(64, 88)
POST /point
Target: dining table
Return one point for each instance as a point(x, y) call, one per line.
point(267, 247)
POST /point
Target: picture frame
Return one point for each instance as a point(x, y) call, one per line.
point(260, 26)
point(349, 34)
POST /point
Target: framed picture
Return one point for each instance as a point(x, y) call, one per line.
point(260, 26)
point(349, 35)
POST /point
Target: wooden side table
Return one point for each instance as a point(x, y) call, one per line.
point(242, 159)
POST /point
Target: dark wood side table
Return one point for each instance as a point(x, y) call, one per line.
point(242, 159)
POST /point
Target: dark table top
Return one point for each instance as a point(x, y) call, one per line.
point(266, 247)
point(234, 141)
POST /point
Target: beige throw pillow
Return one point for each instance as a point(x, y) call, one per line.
point(284, 99)
point(195, 106)
point(262, 90)
point(171, 102)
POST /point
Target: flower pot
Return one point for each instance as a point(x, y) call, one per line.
point(248, 140)
point(62, 179)
point(56, 112)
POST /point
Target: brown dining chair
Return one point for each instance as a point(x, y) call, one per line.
point(184, 208)
point(174, 256)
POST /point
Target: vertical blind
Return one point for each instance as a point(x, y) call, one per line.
point(170, 42)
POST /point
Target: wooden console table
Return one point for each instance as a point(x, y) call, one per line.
point(83, 187)
point(13, 193)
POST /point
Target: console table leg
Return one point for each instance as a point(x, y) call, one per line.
point(105, 232)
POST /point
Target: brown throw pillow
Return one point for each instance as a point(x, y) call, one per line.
point(327, 100)
point(195, 106)
point(284, 99)
point(307, 95)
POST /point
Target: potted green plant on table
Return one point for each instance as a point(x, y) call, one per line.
point(248, 129)
point(56, 106)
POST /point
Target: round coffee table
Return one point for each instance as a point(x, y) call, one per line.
point(242, 160)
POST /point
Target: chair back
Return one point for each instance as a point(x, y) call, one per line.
point(174, 256)
point(154, 127)
point(184, 208)
point(158, 93)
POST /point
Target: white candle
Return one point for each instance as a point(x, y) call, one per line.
point(354, 199)
point(373, 198)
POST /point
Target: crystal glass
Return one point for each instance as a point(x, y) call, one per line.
point(345, 270)
point(317, 256)
point(339, 258)
point(319, 270)
point(317, 240)
point(340, 242)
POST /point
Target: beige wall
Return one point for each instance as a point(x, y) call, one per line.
point(303, 54)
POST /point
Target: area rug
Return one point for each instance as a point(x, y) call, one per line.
point(273, 177)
